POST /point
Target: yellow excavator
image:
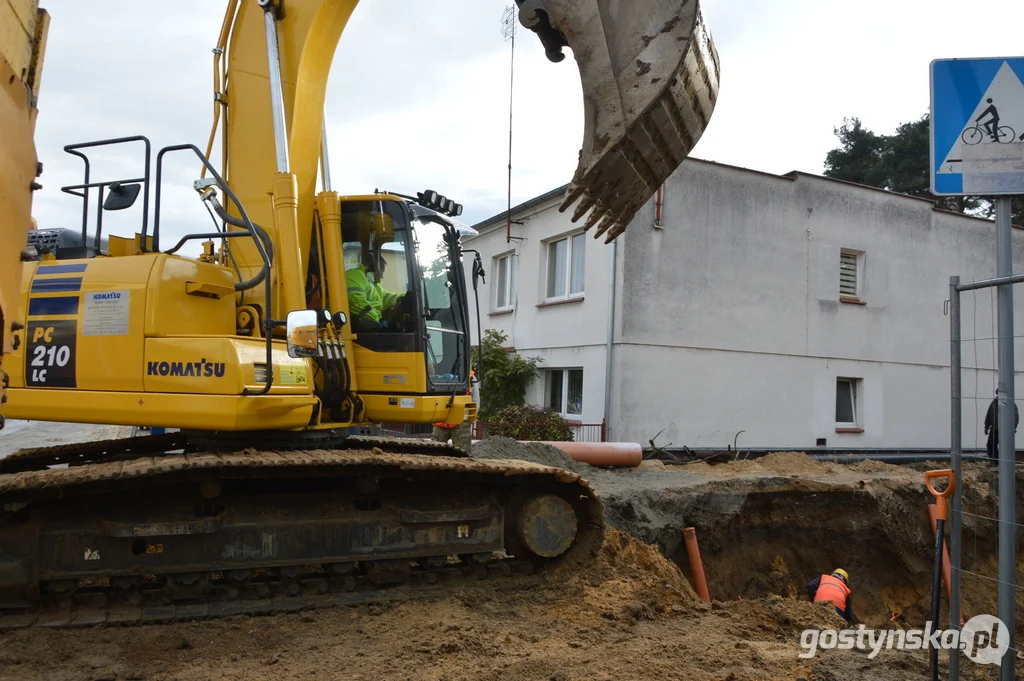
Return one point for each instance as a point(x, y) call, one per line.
point(307, 317)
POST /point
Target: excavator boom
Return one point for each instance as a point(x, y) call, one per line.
point(649, 71)
point(23, 30)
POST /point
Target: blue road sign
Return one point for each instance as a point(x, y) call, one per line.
point(977, 126)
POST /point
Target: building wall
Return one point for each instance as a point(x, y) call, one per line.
point(564, 335)
point(728, 316)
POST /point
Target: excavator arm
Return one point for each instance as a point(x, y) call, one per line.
point(649, 74)
point(23, 30)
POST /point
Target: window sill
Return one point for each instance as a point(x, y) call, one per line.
point(498, 313)
point(852, 301)
point(849, 430)
point(565, 301)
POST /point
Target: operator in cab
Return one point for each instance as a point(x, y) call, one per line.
point(368, 300)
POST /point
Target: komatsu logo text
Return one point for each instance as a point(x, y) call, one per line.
point(202, 368)
point(116, 295)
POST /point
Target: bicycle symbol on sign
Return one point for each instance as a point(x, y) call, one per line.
point(1002, 134)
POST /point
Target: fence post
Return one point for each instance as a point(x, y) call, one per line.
point(1006, 445)
point(604, 430)
point(955, 444)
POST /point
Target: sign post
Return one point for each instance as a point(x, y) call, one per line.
point(977, 148)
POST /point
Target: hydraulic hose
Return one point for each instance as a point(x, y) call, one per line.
point(262, 234)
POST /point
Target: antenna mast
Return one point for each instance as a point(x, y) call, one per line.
point(508, 29)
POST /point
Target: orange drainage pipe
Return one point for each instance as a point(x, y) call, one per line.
point(946, 571)
point(620, 454)
point(700, 583)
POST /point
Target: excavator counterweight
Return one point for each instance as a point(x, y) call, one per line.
point(649, 72)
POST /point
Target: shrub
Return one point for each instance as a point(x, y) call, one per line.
point(506, 375)
point(530, 422)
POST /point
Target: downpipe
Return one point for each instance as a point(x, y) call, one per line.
point(610, 341)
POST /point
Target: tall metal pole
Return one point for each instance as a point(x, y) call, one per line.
point(510, 32)
point(325, 159)
point(1007, 449)
point(276, 91)
point(955, 443)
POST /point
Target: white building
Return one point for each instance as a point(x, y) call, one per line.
point(795, 310)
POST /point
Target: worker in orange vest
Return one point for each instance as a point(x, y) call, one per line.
point(835, 588)
point(460, 434)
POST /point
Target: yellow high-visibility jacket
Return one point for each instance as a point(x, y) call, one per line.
point(367, 298)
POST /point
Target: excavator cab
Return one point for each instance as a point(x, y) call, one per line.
point(410, 258)
point(407, 308)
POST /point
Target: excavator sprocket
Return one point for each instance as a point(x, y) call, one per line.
point(115, 536)
point(649, 72)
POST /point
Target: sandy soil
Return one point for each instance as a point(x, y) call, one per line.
point(631, 616)
point(765, 528)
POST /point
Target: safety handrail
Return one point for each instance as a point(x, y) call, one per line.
point(73, 149)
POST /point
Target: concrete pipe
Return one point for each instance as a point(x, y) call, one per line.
point(618, 454)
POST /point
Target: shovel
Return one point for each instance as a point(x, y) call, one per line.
point(941, 506)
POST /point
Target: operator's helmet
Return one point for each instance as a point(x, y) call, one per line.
point(842, 574)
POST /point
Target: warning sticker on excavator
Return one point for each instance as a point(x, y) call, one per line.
point(106, 313)
point(292, 374)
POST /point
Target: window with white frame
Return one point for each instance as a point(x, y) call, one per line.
point(566, 267)
point(505, 282)
point(851, 275)
point(848, 402)
point(565, 391)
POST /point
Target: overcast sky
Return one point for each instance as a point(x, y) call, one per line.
point(419, 93)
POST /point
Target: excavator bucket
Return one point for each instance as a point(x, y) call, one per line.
point(649, 71)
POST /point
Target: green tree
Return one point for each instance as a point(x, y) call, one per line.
point(899, 163)
point(859, 158)
point(505, 376)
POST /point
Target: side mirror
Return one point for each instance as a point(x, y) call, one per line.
point(121, 196)
point(303, 340)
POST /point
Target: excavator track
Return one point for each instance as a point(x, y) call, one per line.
point(115, 536)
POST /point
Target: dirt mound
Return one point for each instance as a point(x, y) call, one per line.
point(535, 452)
point(775, 463)
point(871, 466)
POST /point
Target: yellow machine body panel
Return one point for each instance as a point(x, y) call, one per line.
point(150, 340)
point(119, 340)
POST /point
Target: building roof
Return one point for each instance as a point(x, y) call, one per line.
point(524, 206)
point(792, 175)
